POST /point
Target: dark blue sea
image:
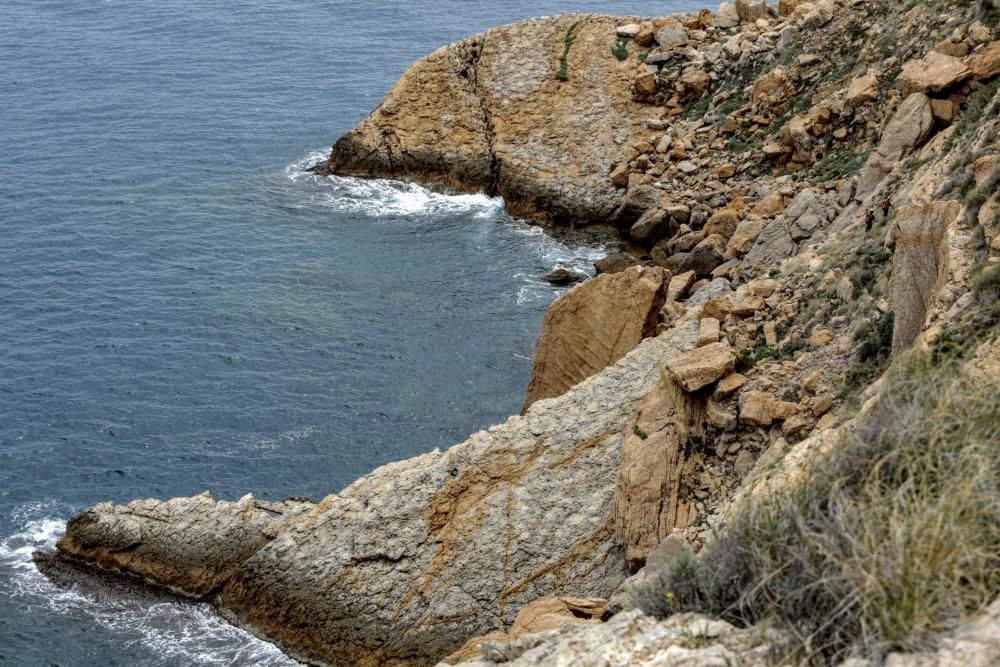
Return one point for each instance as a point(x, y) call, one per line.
point(183, 308)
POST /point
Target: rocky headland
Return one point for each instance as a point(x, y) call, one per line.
point(744, 336)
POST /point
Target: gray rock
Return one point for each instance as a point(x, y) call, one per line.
point(428, 551)
point(614, 263)
point(653, 225)
point(563, 276)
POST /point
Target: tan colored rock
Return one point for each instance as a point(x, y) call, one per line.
point(944, 111)
point(782, 410)
point(769, 206)
point(728, 385)
point(680, 284)
point(796, 424)
point(950, 48)
point(649, 503)
point(822, 404)
point(771, 334)
point(708, 331)
point(787, 7)
point(644, 85)
point(693, 83)
point(489, 114)
point(723, 222)
point(743, 238)
point(933, 73)
point(774, 150)
point(772, 88)
point(820, 337)
point(920, 266)
point(840, 133)
point(703, 366)
point(979, 33)
point(862, 90)
point(756, 408)
point(594, 325)
point(909, 128)
point(619, 176)
point(750, 10)
point(985, 64)
point(539, 616)
point(740, 303)
point(519, 512)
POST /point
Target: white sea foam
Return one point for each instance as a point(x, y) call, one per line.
point(175, 632)
point(380, 198)
point(386, 198)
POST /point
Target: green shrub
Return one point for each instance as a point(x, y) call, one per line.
point(563, 73)
point(890, 540)
point(620, 49)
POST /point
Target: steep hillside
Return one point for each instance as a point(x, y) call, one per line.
point(737, 153)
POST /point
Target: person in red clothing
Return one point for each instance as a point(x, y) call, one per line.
point(869, 219)
point(885, 208)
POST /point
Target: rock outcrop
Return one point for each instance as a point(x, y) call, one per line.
point(634, 639)
point(594, 325)
point(491, 113)
point(410, 561)
point(920, 267)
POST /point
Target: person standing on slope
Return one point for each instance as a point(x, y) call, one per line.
point(869, 220)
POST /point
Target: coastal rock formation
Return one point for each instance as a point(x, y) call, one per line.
point(920, 268)
point(539, 112)
point(634, 639)
point(593, 326)
point(408, 562)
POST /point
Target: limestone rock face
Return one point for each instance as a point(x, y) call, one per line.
point(648, 502)
point(637, 640)
point(594, 325)
point(488, 113)
point(920, 266)
point(909, 128)
point(932, 74)
point(428, 552)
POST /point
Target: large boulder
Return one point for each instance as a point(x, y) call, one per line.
point(909, 128)
point(428, 552)
point(649, 503)
point(933, 73)
point(920, 266)
point(489, 114)
point(705, 256)
point(594, 325)
point(671, 34)
point(702, 366)
point(751, 10)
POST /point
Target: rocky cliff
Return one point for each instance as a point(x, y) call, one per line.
point(738, 153)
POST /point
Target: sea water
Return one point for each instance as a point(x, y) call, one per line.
point(183, 307)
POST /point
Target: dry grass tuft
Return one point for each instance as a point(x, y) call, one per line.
point(892, 540)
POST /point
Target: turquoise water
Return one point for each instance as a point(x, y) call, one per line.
point(183, 308)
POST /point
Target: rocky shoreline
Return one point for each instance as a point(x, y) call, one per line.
point(737, 153)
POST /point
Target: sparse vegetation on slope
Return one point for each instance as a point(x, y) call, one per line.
point(891, 541)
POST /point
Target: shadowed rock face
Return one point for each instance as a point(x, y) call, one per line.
point(488, 113)
point(595, 325)
point(407, 563)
